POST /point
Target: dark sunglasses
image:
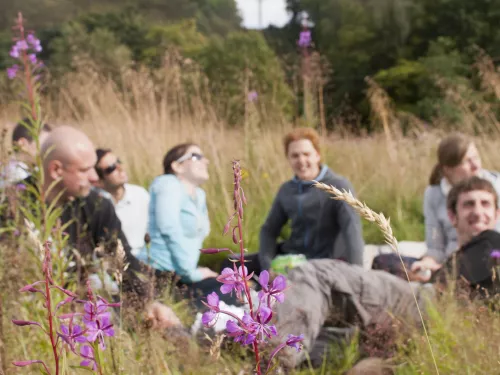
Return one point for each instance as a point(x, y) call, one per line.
point(108, 170)
point(191, 156)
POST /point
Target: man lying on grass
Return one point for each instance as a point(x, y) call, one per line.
point(326, 298)
point(330, 292)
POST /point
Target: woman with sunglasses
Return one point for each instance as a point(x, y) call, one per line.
point(178, 220)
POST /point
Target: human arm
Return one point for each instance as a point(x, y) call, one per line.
point(269, 233)
point(350, 226)
point(435, 238)
point(168, 204)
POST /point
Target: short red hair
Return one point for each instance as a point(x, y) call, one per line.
point(299, 134)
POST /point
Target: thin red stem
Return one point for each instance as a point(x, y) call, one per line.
point(50, 318)
point(232, 316)
point(247, 289)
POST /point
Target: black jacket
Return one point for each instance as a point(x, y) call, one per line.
point(92, 221)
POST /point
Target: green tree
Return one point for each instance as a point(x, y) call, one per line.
point(244, 59)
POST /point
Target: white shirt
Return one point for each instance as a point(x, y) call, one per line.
point(14, 171)
point(132, 210)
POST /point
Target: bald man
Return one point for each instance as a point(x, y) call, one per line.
point(68, 164)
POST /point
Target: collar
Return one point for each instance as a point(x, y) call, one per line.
point(126, 197)
point(446, 186)
point(319, 177)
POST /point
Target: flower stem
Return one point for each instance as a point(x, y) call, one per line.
point(239, 211)
point(50, 318)
point(97, 357)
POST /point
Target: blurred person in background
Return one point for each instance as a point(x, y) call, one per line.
point(458, 160)
point(131, 202)
point(179, 223)
point(22, 161)
point(321, 227)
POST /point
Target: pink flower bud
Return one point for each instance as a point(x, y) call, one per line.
point(213, 250)
point(22, 323)
point(26, 363)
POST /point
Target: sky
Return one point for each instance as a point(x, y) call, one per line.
point(273, 12)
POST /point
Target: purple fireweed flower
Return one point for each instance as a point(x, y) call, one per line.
point(304, 38)
point(260, 327)
point(213, 305)
point(93, 310)
point(87, 353)
point(75, 332)
point(239, 334)
point(294, 341)
point(72, 334)
point(22, 45)
point(30, 38)
point(275, 290)
point(495, 254)
point(12, 71)
point(32, 58)
point(20, 187)
point(232, 279)
point(14, 52)
point(98, 329)
point(252, 96)
point(37, 46)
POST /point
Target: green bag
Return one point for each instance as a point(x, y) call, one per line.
point(283, 263)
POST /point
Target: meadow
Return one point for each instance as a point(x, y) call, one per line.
point(141, 119)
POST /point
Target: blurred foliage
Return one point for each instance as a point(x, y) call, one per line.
point(414, 50)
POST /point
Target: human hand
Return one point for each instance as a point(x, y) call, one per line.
point(207, 273)
point(161, 316)
point(422, 269)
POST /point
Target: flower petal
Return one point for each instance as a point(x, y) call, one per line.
point(213, 299)
point(208, 317)
point(264, 279)
point(279, 283)
point(226, 288)
point(265, 314)
point(233, 327)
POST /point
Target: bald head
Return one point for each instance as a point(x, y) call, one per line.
point(69, 157)
point(64, 143)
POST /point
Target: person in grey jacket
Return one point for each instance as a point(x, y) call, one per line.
point(321, 227)
point(458, 160)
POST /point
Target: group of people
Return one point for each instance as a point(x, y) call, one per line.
point(162, 229)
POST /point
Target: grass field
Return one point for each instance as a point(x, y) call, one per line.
point(142, 121)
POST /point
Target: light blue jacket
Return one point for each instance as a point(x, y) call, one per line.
point(178, 224)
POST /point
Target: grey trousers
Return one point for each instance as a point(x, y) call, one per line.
point(328, 292)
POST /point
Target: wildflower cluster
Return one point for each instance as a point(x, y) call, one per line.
point(255, 326)
point(305, 39)
point(24, 50)
point(27, 65)
point(67, 335)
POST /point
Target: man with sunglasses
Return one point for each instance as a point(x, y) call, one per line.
point(131, 201)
